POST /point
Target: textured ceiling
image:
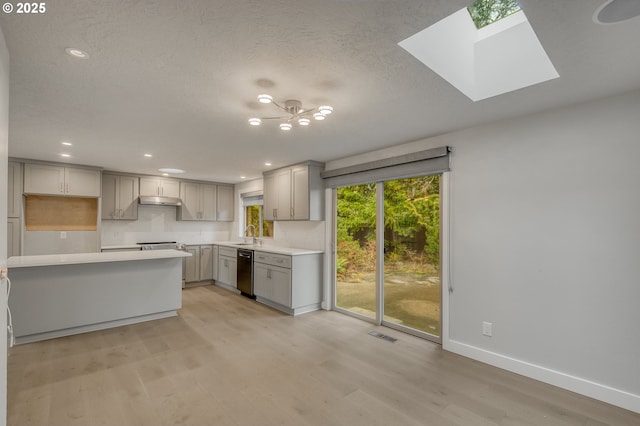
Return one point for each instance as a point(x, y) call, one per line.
point(179, 79)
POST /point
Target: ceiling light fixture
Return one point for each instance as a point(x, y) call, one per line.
point(65, 155)
point(148, 155)
point(294, 113)
point(67, 143)
point(267, 164)
point(171, 170)
point(76, 53)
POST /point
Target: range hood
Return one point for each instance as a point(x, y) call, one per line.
point(152, 200)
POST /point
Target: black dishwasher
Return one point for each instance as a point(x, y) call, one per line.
point(245, 272)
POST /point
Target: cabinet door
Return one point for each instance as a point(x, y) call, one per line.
point(233, 273)
point(283, 210)
point(149, 186)
point(208, 203)
point(214, 262)
point(281, 286)
point(189, 194)
point(13, 237)
point(223, 270)
point(128, 197)
point(270, 197)
point(225, 203)
point(109, 197)
point(206, 263)
point(43, 179)
point(272, 283)
point(300, 193)
point(192, 264)
point(82, 182)
point(14, 199)
point(261, 284)
point(170, 188)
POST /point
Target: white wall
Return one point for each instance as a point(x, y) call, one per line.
point(545, 239)
point(298, 234)
point(158, 223)
point(4, 137)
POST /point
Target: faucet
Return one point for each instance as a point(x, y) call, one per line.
point(246, 232)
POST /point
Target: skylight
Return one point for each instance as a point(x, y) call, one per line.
point(486, 12)
point(486, 62)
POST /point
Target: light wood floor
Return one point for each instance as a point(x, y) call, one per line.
point(227, 360)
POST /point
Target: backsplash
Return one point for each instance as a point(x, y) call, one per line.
point(158, 223)
point(303, 234)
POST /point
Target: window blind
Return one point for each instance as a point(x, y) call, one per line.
point(428, 162)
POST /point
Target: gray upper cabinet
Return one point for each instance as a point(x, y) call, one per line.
point(58, 180)
point(207, 202)
point(14, 190)
point(225, 203)
point(198, 201)
point(294, 193)
point(159, 187)
point(119, 197)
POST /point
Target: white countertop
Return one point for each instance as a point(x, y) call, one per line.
point(270, 249)
point(291, 251)
point(77, 258)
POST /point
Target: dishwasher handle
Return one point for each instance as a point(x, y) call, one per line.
point(246, 256)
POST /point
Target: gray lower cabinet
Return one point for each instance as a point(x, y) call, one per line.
point(228, 267)
point(292, 284)
point(198, 268)
point(13, 237)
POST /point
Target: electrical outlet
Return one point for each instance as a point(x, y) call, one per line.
point(63, 235)
point(487, 329)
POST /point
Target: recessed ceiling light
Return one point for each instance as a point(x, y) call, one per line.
point(165, 174)
point(614, 11)
point(148, 155)
point(243, 177)
point(267, 164)
point(67, 143)
point(76, 53)
point(170, 170)
point(65, 155)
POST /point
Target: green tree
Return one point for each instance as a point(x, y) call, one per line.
point(485, 12)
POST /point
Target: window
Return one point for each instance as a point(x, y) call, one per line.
point(486, 12)
point(252, 205)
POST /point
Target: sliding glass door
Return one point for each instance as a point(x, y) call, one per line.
point(356, 249)
point(411, 279)
point(388, 253)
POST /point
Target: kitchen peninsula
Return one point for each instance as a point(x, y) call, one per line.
point(61, 295)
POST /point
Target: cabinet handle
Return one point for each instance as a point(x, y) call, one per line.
point(292, 212)
point(269, 273)
point(275, 213)
point(62, 187)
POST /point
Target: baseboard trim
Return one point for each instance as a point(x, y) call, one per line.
point(93, 327)
point(588, 388)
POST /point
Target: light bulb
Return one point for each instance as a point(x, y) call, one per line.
point(285, 126)
point(325, 110)
point(265, 99)
point(304, 121)
point(255, 121)
point(319, 116)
